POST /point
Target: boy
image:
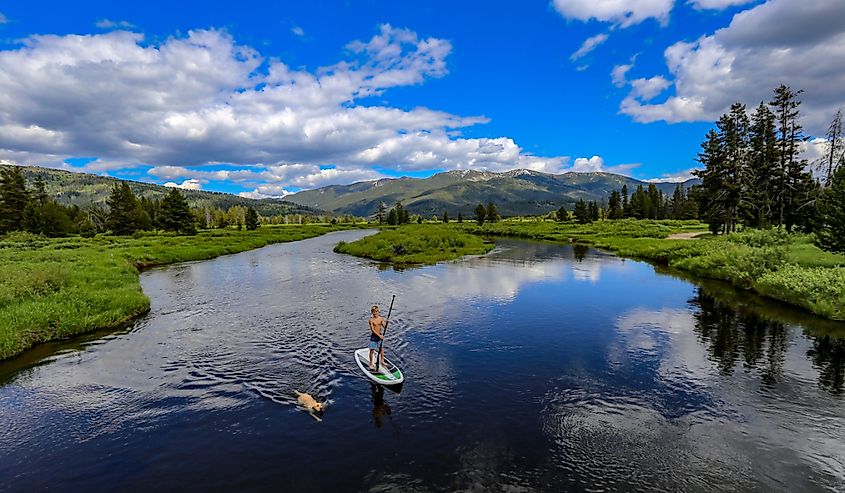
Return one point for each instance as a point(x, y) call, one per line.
point(377, 326)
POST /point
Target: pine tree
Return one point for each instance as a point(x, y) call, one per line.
point(480, 214)
point(562, 215)
point(835, 153)
point(382, 212)
point(733, 137)
point(392, 218)
point(789, 135)
point(757, 207)
point(251, 219)
point(175, 214)
point(125, 214)
point(627, 210)
point(446, 217)
point(14, 198)
point(39, 192)
point(593, 211)
point(710, 192)
point(582, 214)
point(676, 204)
point(614, 206)
point(460, 217)
point(492, 213)
point(832, 207)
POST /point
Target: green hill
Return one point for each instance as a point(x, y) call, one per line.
point(85, 190)
point(516, 192)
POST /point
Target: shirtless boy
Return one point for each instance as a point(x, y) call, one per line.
point(377, 326)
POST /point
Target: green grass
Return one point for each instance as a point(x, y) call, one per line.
point(56, 288)
point(417, 244)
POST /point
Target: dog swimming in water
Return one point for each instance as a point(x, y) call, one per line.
point(310, 404)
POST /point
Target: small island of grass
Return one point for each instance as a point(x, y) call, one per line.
point(417, 244)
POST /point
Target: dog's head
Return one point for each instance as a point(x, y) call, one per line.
point(319, 407)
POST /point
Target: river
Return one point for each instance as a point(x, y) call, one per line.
point(535, 367)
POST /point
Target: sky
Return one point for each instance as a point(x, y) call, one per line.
point(267, 98)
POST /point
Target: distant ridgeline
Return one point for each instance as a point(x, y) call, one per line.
point(518, 192)
point(83, 190)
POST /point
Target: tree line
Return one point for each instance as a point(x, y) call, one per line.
point(755, 175)
point(32, 210)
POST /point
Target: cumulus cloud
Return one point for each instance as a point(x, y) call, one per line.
point(297, 31)
point(800, 44)
point(619, 73)
point(185, 185)
point(717, 4)
point(588, 46)
point(202, 99)
point(621, 13)
point(596, 164)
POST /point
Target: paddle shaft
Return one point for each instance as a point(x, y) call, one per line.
point(383, 333)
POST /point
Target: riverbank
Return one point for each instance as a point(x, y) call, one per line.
point(56, 288)
point(417, 244)
point(787, 268)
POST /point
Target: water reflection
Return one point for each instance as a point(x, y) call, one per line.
point(828, 356)
point(380, 408)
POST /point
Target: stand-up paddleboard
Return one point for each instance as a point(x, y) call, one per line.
point(388, 374)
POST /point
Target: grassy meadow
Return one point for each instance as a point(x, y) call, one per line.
point(417, 244)
point(55, 288)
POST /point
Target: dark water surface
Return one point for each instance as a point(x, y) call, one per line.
point(537, 367)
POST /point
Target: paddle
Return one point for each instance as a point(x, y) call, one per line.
point(383, 332)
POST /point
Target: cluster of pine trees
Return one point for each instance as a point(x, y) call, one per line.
point(488, 213)
point(753, 170)
point(22, 209)
point(32, 210)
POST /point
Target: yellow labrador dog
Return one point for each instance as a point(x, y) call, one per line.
point(310, 404)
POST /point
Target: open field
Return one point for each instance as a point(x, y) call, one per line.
point(55, 288)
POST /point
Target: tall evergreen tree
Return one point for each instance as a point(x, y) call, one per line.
point(382, 212)
point(392, 218)
point(175, 214)
point(39, 192)
point(562, 215)
point(614, 206)
point(460, 217)
point(251, 219)
point(832, 207)
point(789, 166)
point(710, 193)
point(125, 211)
point(757, 206)
point(492, 213)
point(582, 213)
point(835, 153)
point(676, 203)
point(593, 211)
point(627, 210)
point(446, 217)
point(14, 198)
point(480, 214)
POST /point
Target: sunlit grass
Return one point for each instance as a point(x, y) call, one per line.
point(55, 288)
point(417, 244)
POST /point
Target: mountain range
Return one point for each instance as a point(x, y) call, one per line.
point(515, 192)
point(84, 190)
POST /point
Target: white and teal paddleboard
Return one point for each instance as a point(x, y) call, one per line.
point(388, 374)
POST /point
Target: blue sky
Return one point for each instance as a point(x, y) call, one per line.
point(181, 93)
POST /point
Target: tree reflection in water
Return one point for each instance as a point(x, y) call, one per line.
point(734, 332)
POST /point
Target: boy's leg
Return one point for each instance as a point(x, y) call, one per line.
point(381, 353)
point(371, 360)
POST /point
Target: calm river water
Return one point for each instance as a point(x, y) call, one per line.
point(536, 367)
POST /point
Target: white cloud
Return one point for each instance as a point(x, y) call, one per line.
point(583, 164)
point(674, 178)
point(622, 13)
point(648, 89)
point(717, 4)
point(801, 44)
point(185, 185)
point(110, 24)
point(297, 31)
point(203, 99)
point(619, 73)
point(588, 46)
point(3, 19)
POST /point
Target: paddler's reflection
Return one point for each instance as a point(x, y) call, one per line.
point(380, 408)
